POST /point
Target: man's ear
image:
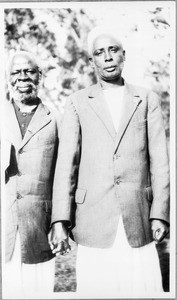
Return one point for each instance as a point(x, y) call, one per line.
point(91, 62)
point(124, 54)
point(40, 74)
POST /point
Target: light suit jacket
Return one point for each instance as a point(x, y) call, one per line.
point(29, 164)
point(103, 173)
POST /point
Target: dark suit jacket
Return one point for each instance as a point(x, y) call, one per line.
point(104, 174)
point(30, 166)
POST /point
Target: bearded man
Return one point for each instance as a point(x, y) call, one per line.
point(30, 143)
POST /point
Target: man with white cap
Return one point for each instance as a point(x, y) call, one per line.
point(30, 140)
point(113, 179)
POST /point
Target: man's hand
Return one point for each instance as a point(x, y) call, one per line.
point(58, 239)
point(159, 230)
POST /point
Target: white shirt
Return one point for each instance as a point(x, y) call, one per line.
point(114, 100)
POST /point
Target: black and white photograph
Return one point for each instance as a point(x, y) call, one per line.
point(88, 149)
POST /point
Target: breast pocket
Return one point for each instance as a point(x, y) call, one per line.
point(139, 123)
point(42, 139)
point(80, 195)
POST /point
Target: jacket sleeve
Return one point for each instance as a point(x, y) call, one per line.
point(159, 162)
point(65, 179)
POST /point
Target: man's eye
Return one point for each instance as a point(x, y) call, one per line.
point(14, 73)
point(114, 50)
point(28, 72)
point(97, 53)
point(31, 71)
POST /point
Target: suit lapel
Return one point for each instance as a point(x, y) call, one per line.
point(98, 104)
point(131, 102)
point(40, 119)
point(11, 127)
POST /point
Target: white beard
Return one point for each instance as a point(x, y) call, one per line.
point(25, 98)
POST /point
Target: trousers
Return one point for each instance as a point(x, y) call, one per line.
point(25, 281)
point(119, 270)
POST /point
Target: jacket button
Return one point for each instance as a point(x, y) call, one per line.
point(116, 156)
point(116, 180)
point(19, 173)
point(19, 196)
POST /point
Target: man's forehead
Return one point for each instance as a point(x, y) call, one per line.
point(22, 61)
point(106, 40)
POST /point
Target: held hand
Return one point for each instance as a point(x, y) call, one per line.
point(58, 239)
point(159, 230)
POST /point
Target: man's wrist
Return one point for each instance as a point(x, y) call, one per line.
point(65, 224)
point(162, 221)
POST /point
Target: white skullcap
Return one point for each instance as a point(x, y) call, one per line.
point(97, 31)
point(28, 54)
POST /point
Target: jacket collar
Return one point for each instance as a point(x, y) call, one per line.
point(40, 119)
point(98, 104)
point(131, 100)
point(11, 129)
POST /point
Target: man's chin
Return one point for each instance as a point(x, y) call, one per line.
point(28, 99)
point(111, 77)
point(25, 98)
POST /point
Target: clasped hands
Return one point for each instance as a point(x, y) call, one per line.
point(159, 230)
point(59, 243)
point(58, 239)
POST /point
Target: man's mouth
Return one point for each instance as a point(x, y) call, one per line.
point(110, 69)
point(24, 89)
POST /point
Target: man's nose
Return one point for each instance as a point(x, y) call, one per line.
point(22, 75)
point(108, 56)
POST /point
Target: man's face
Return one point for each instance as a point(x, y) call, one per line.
point(24, 79)
point(107, 58)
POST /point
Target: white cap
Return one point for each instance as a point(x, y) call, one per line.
point(28, 54)
point(97, 31)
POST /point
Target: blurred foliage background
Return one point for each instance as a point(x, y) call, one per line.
point(58, 36)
